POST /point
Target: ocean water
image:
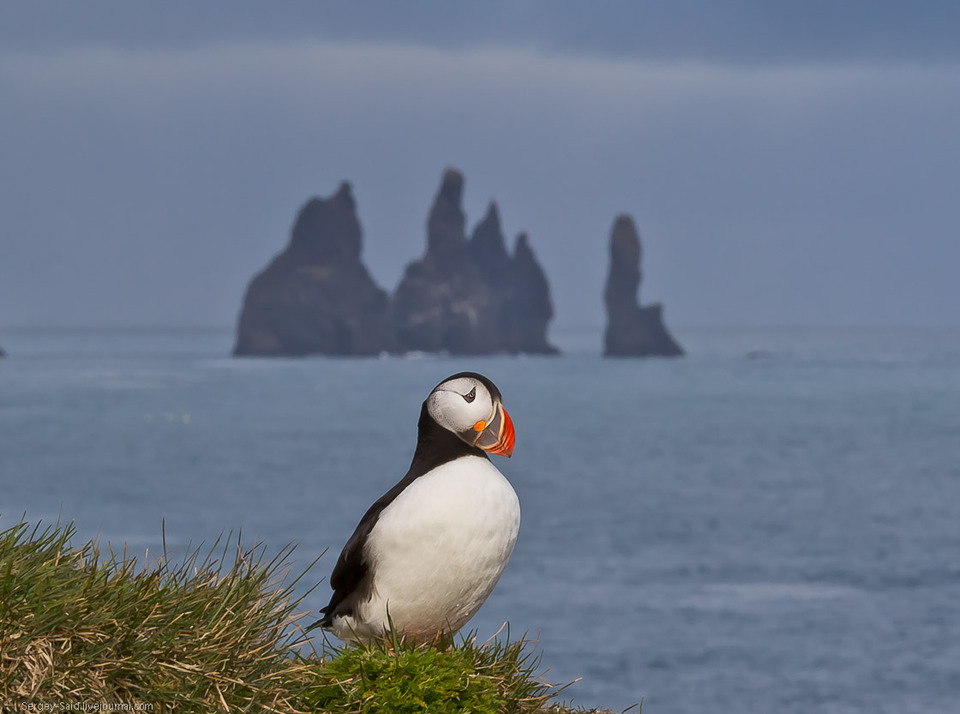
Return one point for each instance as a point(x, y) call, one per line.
point(771, 524)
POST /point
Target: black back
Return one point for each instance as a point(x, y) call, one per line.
point(435, 446)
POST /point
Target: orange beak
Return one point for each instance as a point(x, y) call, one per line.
point(497, 436)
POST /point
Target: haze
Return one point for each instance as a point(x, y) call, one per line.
point(786, 164)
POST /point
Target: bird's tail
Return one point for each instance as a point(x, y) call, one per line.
point(324, 621)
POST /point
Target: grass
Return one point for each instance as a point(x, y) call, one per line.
point(216, 631)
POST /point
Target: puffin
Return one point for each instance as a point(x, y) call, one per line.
point(427, 553)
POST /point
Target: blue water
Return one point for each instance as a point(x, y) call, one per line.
point(713, 534)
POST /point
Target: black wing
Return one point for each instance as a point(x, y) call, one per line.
point(349, 579)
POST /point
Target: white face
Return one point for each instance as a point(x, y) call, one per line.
point(458, 404)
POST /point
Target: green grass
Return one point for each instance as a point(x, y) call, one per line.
point(217, 631)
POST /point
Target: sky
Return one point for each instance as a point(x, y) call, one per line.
point(787, 164)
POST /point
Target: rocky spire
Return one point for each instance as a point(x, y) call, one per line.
point(463, 297)
point(316, 297)
point(621, 295)
point(529, 309)
point(470, 297)
point(632, 331)
point(488, 248)
point(328, 230)
point(445, 225)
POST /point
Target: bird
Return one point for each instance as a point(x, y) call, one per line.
point(427, 554)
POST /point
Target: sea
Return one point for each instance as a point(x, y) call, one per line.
point(769, 524)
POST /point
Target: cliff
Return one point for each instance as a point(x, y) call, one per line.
point(316, 297)
point(470, 296)
point(632, 330)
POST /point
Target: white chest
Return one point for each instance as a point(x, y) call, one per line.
point(438, 550)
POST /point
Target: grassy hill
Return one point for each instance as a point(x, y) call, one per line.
point(217, 631)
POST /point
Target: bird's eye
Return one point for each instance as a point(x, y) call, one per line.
point(470, 396)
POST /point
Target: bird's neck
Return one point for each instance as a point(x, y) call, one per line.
point(436, 446)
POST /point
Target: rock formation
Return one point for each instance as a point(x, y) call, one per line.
point(464, 296)
point(632, 331)
point(471, 296)
point(316, 297)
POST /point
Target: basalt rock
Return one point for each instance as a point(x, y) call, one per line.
point(465, 296)
point(471, 296)
point(632, 330)
point(317, 297)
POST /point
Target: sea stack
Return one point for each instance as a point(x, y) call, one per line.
point(316, 297)
point(470, 296)
point(632, 330)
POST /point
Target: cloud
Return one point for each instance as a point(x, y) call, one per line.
point(735, 31)
point(356, 80)
point(745, 180)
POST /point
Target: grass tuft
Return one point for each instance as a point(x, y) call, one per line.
point(400, 677)
point(216, 631)
point(84, 623)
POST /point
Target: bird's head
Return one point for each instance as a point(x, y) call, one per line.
point(469, 405)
